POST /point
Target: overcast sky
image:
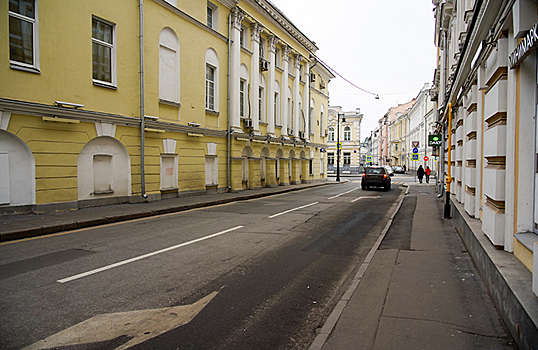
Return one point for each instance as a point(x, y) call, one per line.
point(383, 46)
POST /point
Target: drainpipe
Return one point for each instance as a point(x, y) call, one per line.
point(228, 124)
point(448, 178)
point(142, 112)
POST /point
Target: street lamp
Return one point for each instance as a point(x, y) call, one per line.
point(338, 145)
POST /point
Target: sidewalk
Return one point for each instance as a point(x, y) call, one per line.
point(417, 289)
point(30, 225)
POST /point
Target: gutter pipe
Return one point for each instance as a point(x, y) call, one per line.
point(228, 124)
point(142, 108)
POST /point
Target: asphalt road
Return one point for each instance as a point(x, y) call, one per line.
point(258, 274)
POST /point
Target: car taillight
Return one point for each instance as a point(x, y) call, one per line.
point(384, 176)
point(363, 174)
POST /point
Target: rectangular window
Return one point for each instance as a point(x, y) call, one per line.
point(23, 33)
point(278, 57)
point(242, 84)
point(4, 179)
point(262, 48)
point(330, 158)
point(103, 52)
point(102, 174)
point(243, 36)
point(275, 108)
point(210, 88)
point(347, 158)
point(260, 103)
point(212, 16)
point(209, 17)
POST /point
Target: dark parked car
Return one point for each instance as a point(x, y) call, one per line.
point(375, 176)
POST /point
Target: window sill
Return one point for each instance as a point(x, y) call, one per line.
point(104, 192)
point(169, 103)
point(25, 68)
point(209, 111)
point(527, 239)
point(104, 85)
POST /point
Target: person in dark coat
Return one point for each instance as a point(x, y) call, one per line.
point(420, 173)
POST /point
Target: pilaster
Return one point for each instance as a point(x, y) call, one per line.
point(273, 41)
point(235, 62)
point(284, 114)
point(256, 30)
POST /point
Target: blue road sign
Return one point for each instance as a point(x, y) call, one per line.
point(415, 150)
point(415, 157)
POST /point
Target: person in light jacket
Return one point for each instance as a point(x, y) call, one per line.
point(420, 173)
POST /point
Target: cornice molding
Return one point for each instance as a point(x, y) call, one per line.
point(275, 14)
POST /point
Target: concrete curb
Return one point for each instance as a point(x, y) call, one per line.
point(333, 318)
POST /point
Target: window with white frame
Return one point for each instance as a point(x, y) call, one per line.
point(330, 158)
point(262, 48)
point(275, 107)
point(347, 133)
point(260, 103)
point(278, 57)
point(321, 124)
point(212, 16)
point(169, 79)
point(103, 51)
point(211, 80)
point(331, 134)
point(242, 96)
point(23, 34)
point(243, 36)
point(209, 87)
point(347, 158)
point(262, 100)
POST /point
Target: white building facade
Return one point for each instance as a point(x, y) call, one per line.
point(485, 89)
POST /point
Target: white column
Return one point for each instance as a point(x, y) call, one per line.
point(306, 101)
point(235, 62)
point(284, 91)
point(256, 30)
point(273, 40)
point(297, 123)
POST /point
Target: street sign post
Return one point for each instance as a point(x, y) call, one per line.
point(415, 157)
point(368, 159)
point(415, 144)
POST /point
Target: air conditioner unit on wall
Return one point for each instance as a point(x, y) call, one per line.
point(264, 65)
point(247, 123)
point(301, 134)
point(290, 131)
point(312, 77)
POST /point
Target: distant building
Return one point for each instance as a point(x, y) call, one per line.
point(384, 131)
point(349, 135)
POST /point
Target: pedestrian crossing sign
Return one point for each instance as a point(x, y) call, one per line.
point(415, 157)
point(368, 159)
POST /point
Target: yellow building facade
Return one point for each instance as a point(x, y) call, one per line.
point(228, 95)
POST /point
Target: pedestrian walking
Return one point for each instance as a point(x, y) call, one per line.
point(420, 173)
point(427, 172)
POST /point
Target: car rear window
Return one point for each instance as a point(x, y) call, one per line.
point(375, 171)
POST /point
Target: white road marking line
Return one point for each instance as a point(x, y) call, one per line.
point(356, 199)
point(287, 211)
point(341, 194)
point(124, 262)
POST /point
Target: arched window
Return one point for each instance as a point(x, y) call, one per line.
point(169, 67)
point(321, 122)
point(331, 134)
point(347, 133)
point(211, 80)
